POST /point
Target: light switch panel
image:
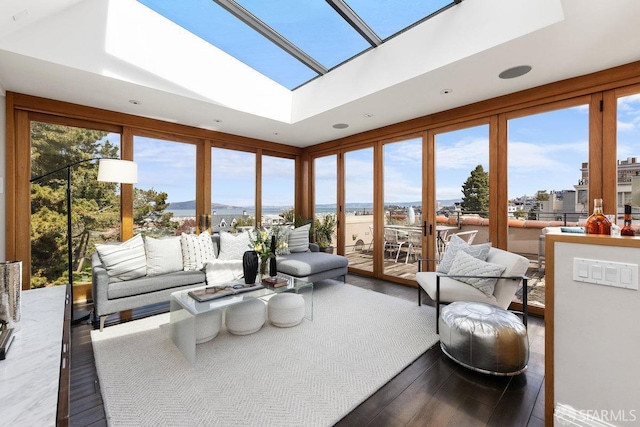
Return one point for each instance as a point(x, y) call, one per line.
point(606, 273)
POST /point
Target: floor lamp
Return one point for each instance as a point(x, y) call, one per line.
point(109, 170)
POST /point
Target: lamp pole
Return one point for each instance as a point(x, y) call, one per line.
point(78, 316)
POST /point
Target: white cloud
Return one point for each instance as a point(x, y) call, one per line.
point(465, 154)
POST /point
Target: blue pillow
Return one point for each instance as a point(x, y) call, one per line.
point(578, 230)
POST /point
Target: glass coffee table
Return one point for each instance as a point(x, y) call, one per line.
point(185, 309)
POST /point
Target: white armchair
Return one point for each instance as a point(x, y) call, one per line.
point(445, 288)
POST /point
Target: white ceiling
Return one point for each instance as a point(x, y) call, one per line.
point(103, 53)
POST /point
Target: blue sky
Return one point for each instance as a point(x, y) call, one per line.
point(545, 153)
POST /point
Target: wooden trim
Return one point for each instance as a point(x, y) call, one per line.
point(10, 228)
point(595, 150)
point(340, 203)
point(429, 201)
point(22, 199)
point(378, 210)
point(498, 182)
point(258, 186)
point(79, 123)
point(126, 190)
point(610, 153)
point(302, 186)
point(203, 181)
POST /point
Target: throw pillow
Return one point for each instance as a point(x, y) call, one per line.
point(163, 255)
point(196, 249)
point(125, 261)
point(299, 239)
point(456, 244)
point(233, 246)
point(466, 265)
point(218, 271)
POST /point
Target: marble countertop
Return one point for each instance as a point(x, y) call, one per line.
point(29, 376)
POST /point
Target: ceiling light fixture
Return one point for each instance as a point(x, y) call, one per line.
point(217, 120)
point(446, 91)
point(135, 102)
point(368, 115)
point(514, 72)
point(340, 126)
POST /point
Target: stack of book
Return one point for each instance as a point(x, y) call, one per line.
point(276, 281)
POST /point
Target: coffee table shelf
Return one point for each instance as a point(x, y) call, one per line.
point(184, 311)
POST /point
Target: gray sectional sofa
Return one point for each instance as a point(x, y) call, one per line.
point(113, 296)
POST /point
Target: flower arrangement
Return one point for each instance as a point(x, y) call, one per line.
point(260, 241)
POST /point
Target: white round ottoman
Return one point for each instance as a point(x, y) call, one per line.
point(484, 338)
point(208, 325)
point(286, 309)
point(246, 318)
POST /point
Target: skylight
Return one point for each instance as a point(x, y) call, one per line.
point(304, 39)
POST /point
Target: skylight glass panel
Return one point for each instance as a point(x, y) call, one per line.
point(313, 26)
point(387, 18)
point(215, 25)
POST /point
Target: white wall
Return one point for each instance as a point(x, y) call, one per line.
point(597, 337)
point(3, 175)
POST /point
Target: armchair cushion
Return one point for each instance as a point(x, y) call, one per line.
point(457, 244)
point(466, 265)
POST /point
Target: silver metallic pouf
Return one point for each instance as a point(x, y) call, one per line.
point(484, 338)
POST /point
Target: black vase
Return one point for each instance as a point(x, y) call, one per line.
point(250, 266)
point(273, 271)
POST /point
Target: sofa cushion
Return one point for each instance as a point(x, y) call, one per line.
point(147, 284)
point(233, 246)
point(466, 265)
point(299, 239)
point(221, 271)
point(163, 255)
point(307, 263)
point(124, 261)
point(196, 249)
point(457, 244)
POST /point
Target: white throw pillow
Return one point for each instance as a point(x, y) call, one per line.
point(196, 249)
point(233, 246)
point(163, 255)
point(218, 271)
point(466, 265)
point(299, 239)
point(456, 244)
point(124, 261)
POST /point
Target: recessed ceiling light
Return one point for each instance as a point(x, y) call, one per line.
point(446, 91)
point(217, 120)
point(368, 115)
point(276, 133)
point(340, 126)
point(514, 72)
point(135, 102)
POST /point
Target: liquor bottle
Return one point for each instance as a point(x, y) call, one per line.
point(597, 223)
point(627, 230)
point(273, 270)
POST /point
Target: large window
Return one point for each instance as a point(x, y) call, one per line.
point(402, 207)
point(358, 171)
point(233, 188)
point(164, 201)
point(95, 205)
point(278, 188)
point(548, 178)
point(326, 190)
point(628, 156)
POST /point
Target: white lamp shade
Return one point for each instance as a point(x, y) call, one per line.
point(116, 170)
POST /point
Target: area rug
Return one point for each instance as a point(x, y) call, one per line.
point(309, 375)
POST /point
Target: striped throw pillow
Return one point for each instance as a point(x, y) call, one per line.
point(299, 239)
point(196, 249)
point(125, 261)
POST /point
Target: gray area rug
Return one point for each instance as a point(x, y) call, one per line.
point(309, 375)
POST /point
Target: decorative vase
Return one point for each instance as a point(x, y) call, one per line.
point(10, 288)
point(250, 266)
point(263, 267)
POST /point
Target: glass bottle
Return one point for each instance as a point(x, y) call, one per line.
point(597, 223)
point(627, 230)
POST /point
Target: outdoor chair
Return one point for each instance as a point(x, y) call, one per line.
point(392, 241)
point(414, 240)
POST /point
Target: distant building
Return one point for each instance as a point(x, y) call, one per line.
point(628, 184)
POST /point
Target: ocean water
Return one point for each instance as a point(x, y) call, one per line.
point(191, 213)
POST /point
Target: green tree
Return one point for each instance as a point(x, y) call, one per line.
point(475, 192)
point(542, 196)
point(149, 211)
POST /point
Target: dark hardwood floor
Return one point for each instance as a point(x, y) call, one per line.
point(432, 391)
